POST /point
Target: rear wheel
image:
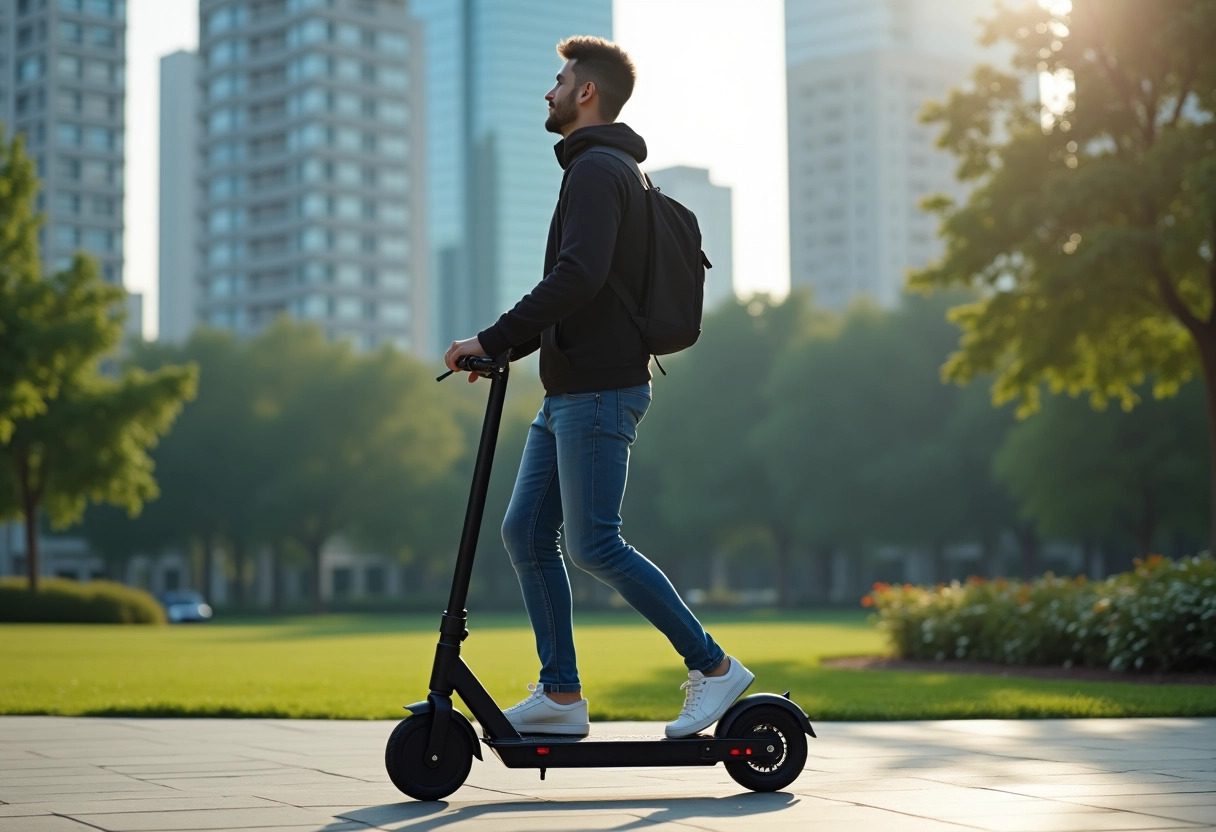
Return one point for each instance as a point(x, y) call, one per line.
point(778, 731)
point(404, 757)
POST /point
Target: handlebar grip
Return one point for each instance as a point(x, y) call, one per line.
point(475, 363)
point(483, 365)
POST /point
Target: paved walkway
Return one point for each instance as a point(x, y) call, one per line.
point(135, 775)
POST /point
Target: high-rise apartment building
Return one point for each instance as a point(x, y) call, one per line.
point(311, 177)
point(177, 261)
point(712, 204)
point(493, 176)
point(858, 74)
point(62, 86)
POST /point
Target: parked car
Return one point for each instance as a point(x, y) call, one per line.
point(185, 607)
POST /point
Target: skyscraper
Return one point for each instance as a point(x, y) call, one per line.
point(712, 204)
point(62, 85)
point(493, 175)
point(858, 74)
point(311, 157)
point(177, 262)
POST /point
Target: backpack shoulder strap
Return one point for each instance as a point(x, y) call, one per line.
point(629, 161)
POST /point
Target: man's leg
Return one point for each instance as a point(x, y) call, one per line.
point(530, 532)
point(593, 433)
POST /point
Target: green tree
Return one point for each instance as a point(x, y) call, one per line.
point(1090, 233)
point(1080, 474)
point(712, 484)
point(213, 466)
point(354, 445)
point(43, 339)
point(90, 440)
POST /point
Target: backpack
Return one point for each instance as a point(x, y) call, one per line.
point(673, 287)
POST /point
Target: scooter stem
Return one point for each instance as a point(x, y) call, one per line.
point(477, 494)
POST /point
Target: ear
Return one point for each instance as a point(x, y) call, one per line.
point(586, 91)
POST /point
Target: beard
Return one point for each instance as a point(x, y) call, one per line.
point(564, 112)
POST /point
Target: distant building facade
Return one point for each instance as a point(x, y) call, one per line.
point(311, 197)
point(712, 204)
point(858, 73)
point(493, 175)
point(63, 87)
point(178, 186)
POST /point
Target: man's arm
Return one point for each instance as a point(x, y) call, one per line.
point(590, 210)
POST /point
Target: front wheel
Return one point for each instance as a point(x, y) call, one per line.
point(774, 727)
point(407, 768)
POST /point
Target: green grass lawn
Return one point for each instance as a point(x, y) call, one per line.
point(367, 667)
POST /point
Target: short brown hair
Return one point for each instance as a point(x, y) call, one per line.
point(605, 64)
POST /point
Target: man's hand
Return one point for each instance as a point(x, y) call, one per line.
point(469, 346)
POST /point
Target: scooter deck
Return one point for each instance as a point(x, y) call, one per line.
point(542, 751)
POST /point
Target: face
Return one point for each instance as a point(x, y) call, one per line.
point(563, 101)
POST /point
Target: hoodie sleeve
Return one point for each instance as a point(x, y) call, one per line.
point(589, 216)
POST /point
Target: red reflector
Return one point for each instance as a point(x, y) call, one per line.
point(734, 752)
point(748, 752)
point(542, 751)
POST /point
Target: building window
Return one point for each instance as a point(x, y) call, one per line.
point(394, 312)
point(229, 17)
point(103, 8)
point(68, 66)
point(100, 138)
point(67, 203)
point(70, 32)
point(66, 236)
point(30, 69)
point(392, 43)
point(99, 240)
point(375, 580)
point(344, 582)
point(68, 135)
point(394, 147)
point(103, 37)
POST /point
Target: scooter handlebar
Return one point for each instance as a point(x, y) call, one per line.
point(483, 365)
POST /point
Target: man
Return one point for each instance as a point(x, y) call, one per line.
point(595, 369)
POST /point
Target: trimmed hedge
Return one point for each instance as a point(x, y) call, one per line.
point(62, 601)
point(1159, 617)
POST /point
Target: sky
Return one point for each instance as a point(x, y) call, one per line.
point(710, 93)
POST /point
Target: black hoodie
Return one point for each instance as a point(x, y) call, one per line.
point(586, 338)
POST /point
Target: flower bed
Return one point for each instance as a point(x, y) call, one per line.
point(1159, 617)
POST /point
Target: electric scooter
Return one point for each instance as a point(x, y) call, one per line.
point(761, 739)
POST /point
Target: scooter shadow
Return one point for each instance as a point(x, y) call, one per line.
point(636, 813)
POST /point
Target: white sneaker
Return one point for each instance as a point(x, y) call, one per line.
point(708, 697)
point(538, 714)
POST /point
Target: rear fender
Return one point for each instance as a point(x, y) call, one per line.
point(746, 703)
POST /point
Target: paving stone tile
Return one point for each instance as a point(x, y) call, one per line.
point(1073, 822)
point(45, 823)
point(1146, 802)
point(251, 818)
point(42, 791)
point(888, 777)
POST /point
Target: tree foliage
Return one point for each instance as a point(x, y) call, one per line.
point(68, 433)
point(1090, 232)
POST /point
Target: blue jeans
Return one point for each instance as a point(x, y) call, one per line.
point(568, 494)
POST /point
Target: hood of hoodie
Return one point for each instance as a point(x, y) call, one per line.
point(616, 135)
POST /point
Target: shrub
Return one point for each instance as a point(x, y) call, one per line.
point(1159, 617)
point(63, 601)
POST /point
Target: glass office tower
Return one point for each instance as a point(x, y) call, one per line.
point(493, 177)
